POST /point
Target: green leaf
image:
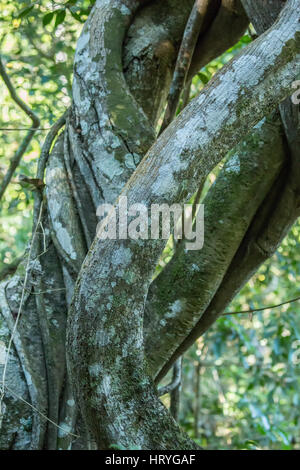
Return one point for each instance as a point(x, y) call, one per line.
point(25, 11)
point(204, 79)
point(48, 18)
point(13, 203)
point(60, 16)
point(73, 11)
point(246, 39)
point(250, 444)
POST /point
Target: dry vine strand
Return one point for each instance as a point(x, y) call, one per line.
point(40, 413)
point(252, 310)
point(184, 59)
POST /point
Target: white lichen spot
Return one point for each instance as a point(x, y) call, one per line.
point(103, 339)
point(106, 163)
point(165, 181)
point(4, 330)
point(106, 380)
point(95, 369)
point(55, 323)
point(64, 430)
point(14, 282)
point(84, 127)
point(120, 273)
point(2, 352)
point(80, 99)
point(124, 10)
point(233, 166)
point(122, 256)
point(83, 40)
point(65, 240)
point(129, 161)
point(174, 309)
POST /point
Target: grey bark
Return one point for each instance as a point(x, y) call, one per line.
point(63, 230)
point(256, 244)
point(105, 328)
point(108, 131)
point(181, 293)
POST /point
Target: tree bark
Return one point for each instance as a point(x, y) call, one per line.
point(105, 329)
point(182, 292)
point(279, 207)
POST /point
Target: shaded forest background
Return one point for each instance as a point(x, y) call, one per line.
point(241, 380)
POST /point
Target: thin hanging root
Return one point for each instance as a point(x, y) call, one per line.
point(48, 143)
point(184, 59)
point(74, 190)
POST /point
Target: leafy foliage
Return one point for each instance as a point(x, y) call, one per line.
point(38, 54)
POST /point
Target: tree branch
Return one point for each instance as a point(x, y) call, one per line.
point(228, 25)
point(176, 381)
point(154, 55)
point(15, 160)
point(252, 310)
point(180, 294)
point(184, 59)
point(273, 220)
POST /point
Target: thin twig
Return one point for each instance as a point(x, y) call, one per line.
point(262, 308)
point(77, 199)
point(44, 237)
point(184, 59)
point(45, 291)
point(15, 96)
point(176, 380)
point(40, 413)
point(10, 129)
point(48, 143)
point(15, 160)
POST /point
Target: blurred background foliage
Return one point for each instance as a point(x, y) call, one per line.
point(37, 43)
point(241, 381)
